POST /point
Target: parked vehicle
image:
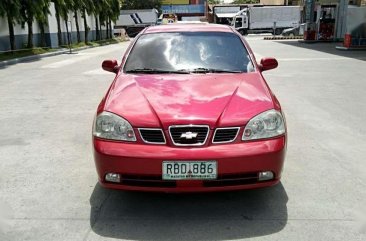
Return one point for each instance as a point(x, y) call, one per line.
point(187, 114)
point(167, 18)
point(272, 19)
point(133, 21)
point(291, 31)
point(296, 31)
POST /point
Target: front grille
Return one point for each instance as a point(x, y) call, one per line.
point(154, 136)
point(146, 181)
point(232, 180)
point(221, 181)
point(191, 135)
point(225, 135)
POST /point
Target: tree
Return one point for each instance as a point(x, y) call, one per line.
point(58, 5)
point(30, 10)
point(138, 4)
point(86, 7)
point(65, 7)
point(42, 19)
point(11, 10)
point(214, 1)
point(76, 6)
point(62, 8)
point(103, 15)
point(96, 11)
point(113, 14)
point(109, 12)
point(104, 11)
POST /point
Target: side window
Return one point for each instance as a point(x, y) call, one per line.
point(238, 22)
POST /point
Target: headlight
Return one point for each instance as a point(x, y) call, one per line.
point(113, 127)
point(265, 125)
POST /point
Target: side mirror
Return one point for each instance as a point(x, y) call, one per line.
point(110, 66)
point(268, 63)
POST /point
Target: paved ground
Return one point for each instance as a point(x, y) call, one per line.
point(48, 183)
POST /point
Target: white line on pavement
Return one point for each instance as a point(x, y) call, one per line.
point(99, 71)
point(65, 62)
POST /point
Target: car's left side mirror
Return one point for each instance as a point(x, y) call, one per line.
point(268, 63)
point(110, 66)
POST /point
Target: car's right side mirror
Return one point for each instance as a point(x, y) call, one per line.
point(110, 65)
point(268, 63)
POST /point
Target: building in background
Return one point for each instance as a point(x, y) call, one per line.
point(21, 32)
point(186, 10)
point(333, 20)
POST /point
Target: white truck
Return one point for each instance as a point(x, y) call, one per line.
point(135, 20)
point(273, 19)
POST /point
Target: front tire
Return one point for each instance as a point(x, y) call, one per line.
point(243, 32)
point(278, 31)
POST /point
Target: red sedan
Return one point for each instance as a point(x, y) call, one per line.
point(189, 111)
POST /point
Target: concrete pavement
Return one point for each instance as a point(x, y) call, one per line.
point(48, 183)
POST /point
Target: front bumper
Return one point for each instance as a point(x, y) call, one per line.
point(140, 165)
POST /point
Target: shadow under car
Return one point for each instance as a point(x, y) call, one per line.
point(207, 216)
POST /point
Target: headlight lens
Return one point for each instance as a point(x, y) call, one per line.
point(265, 125)
point(113, 127)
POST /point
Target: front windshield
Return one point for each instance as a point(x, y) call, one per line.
point(188, 51)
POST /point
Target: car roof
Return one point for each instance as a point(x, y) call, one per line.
point(204, 27)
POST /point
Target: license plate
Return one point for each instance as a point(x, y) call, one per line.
point(188, 170)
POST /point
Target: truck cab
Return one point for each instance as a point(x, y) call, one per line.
point(241, 22)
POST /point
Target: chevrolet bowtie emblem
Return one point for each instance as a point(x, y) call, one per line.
point(189, 135)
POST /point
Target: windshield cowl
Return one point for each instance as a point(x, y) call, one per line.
point(157, 71)
point(181, 71)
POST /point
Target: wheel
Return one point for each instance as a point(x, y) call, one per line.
point(278, 31)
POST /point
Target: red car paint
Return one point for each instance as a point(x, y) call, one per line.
point(213, 99)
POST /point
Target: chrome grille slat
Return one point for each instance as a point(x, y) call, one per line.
point(152, 135)
point(201, 130)
point(225, 135)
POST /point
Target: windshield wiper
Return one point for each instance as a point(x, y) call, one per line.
point(211, 70)
point(157, 71)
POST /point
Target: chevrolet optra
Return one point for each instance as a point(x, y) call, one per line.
point(189, 111)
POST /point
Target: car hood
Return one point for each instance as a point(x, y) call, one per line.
point(205, 99)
